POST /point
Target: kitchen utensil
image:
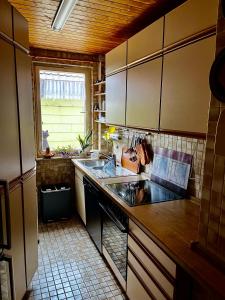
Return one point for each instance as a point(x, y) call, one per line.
point(130, 160)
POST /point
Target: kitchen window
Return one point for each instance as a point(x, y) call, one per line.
point(62, 108)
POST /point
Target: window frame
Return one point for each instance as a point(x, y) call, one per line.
point(88, 71)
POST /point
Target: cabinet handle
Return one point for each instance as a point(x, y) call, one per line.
point(6, 208)
point(113, 219)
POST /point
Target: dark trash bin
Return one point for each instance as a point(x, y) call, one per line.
point(56, 202)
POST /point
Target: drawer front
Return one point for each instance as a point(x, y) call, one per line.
point(155, 291)
point(163, 259)
point(135, 290)
point(151, 267)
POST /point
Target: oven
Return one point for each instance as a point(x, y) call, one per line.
point(114, 238)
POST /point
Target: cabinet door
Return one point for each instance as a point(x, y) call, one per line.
point(6, 18)
point(17, 243)
point(24, 83)
point(149, 40)
point(116, 58)
point(190, 18)
point(116, 98)
point(185, 89)
point(31, 226)
point(79, 193)
point(9, 151)
point(20, 28)
point(143, 95)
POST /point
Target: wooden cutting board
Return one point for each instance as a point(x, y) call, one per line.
point(127, 163)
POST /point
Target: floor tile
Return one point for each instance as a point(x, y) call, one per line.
point(70, 267)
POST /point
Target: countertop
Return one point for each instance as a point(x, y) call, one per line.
point(173, 225)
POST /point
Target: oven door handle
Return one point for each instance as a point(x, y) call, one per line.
point(115, 221)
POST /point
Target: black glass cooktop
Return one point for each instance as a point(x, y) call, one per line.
point(142, 192)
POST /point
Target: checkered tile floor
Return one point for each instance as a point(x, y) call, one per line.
point(70, 266)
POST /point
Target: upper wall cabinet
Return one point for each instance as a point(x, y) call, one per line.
point(23, 68)
point(116, 58)
point(143, 95)
point(116, 98)
point(185, 89)
point(6, 18)
point(190, 18)
point(146, 42)
point(20, 29)
point(10, 152)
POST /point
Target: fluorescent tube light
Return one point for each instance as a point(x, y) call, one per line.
point(62, 14)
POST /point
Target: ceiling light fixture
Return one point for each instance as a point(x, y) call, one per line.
point(62, 14)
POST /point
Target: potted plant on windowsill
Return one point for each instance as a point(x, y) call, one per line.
point(85, 143)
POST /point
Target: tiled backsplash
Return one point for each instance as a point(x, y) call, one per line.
point(212, 216)
point(55, 170)
point(193, 146)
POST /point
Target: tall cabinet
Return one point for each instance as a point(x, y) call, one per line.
point(17, 156)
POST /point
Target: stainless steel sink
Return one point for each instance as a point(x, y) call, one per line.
point(103, 168)
point(94, 163)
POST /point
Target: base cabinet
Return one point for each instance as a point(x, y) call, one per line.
point(151, 273)
point(31, 226)
point(17, 242)
point(79, 195)
point(135, 290)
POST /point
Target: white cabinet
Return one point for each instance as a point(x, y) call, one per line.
point(135, 289)
point(185, 88)
point(146, 41)
point(116, 58)
point(143, 95)
point(79, 193)
point(116, 98)
point(151, 273)
point(189, 18)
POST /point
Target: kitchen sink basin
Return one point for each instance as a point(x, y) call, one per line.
point(98, 168)
point(104, 168)
point(94, 163)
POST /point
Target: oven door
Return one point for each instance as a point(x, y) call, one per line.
point(114, 242)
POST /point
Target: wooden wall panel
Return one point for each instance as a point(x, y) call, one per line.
point(95, 26)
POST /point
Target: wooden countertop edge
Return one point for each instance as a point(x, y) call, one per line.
point(180, 249)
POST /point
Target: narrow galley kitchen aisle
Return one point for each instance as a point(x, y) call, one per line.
point(70, 267)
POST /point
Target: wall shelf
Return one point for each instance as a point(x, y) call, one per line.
point(99, 83)
point(100, 122)
point(99, 94)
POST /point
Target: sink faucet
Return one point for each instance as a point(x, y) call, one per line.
point(110, 158)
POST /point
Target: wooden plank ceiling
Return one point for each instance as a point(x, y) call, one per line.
point(94, 26)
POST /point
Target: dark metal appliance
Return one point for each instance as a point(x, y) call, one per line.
point(93, 214)
point(142, 192)
point(114, 237)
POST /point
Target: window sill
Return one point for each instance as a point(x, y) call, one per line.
point(57, 157)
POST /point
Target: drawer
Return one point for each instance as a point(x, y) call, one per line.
point(155, 291)
point(163, 259)
point(151, 267)
point(135, 290)
point(79, 174)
